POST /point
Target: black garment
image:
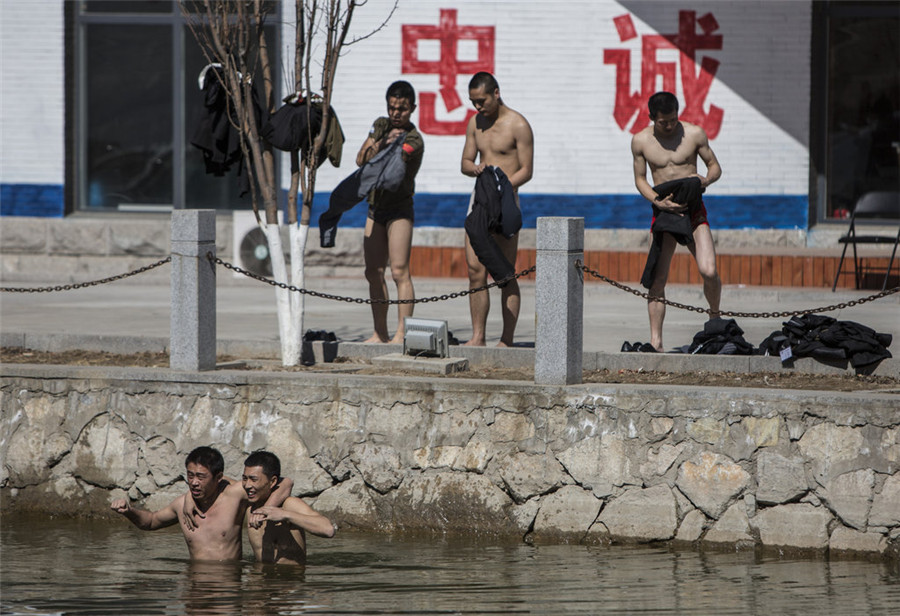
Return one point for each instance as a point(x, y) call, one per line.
point(385, 170)
point(215, 134)
point(686, 191)
point(494, 210)
point(294, 126)
point(827, 339)
point(720, 337)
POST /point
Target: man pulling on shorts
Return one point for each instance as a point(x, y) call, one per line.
point(670, 147)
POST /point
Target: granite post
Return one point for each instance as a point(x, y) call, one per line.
point(193, 319)
point(559, 301)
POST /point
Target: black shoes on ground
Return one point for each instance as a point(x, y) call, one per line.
point(638, 347)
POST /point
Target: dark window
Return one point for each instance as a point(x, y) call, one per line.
point(863, 103)
point(135, 102)
point(128, 6)
point(128, 111)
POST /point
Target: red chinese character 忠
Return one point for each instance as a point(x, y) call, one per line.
point(448, 66)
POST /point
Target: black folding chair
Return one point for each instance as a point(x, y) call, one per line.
point(872, 205)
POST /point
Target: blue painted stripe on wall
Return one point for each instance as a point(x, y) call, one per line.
point(42, 200)
point(603, 211)
point(449, 210)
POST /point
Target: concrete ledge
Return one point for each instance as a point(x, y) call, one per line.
point(482, 357)
point(431, 365)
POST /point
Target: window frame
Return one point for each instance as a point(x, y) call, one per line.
point(77, 21)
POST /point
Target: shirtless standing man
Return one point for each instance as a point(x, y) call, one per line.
point(670, 147)
point(499, 137)
point(281, 538)
point(217, 535)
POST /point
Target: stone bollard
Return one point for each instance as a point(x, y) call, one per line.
point(559, 301)
point(192, 344)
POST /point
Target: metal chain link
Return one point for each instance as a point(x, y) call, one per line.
point(727, 313)
point(435, 298)
point(81, 285)
point(362, 300)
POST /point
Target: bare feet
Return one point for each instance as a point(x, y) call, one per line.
point(503, 344)
point(398, 338)
point(474, 342)
point(375, 338)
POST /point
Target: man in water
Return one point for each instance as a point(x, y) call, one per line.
point(670, 147)
point(281, 537)
point(499, 137)
point(216, 535)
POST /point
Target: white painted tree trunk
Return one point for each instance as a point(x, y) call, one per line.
point(287, 329)
point(298, 236)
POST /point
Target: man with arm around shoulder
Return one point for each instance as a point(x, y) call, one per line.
point(281, 537)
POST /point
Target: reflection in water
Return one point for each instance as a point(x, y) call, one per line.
point(54, 566)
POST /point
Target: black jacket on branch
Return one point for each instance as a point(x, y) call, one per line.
point(215, 134)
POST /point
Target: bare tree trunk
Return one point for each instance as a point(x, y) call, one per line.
point(232, 35)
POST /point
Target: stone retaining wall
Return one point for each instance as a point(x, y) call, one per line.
point(593, 463)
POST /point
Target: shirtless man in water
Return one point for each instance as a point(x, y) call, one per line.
point(670, 147)
point(222, 504)
point(499, 137)
point(281, 537)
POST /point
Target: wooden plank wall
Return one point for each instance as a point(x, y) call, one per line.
point(734, 269)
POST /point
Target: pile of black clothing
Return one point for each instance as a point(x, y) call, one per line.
point(719, 337)
point(828, 340)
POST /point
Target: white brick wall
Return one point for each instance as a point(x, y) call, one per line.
point(32, 98)
point(549, 62)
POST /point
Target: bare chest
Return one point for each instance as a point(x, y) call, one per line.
point(495, 142)
point(661, 154)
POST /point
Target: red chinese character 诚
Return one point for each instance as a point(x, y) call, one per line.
point(695, 84)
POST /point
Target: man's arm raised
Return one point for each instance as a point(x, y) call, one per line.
point(299, 514)
point(147, 520)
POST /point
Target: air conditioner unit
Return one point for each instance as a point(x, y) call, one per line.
point(250, 248)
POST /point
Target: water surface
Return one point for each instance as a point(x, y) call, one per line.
point(64, 566)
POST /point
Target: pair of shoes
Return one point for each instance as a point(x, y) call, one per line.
point(638, 347)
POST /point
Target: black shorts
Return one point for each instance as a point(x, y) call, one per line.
point(385, 215)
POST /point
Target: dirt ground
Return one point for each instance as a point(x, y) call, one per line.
point(782, 380)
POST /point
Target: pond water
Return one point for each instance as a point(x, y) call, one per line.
point(65, 566)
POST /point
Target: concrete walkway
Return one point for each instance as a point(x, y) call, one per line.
point(130, 315)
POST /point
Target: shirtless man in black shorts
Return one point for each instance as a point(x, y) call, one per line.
point(389, 225)
point(670, 147)
point(500, 137)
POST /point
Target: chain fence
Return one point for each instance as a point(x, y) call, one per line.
point(364, 300)
point(728, 313)
point(446, 296)
point(82, 285)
